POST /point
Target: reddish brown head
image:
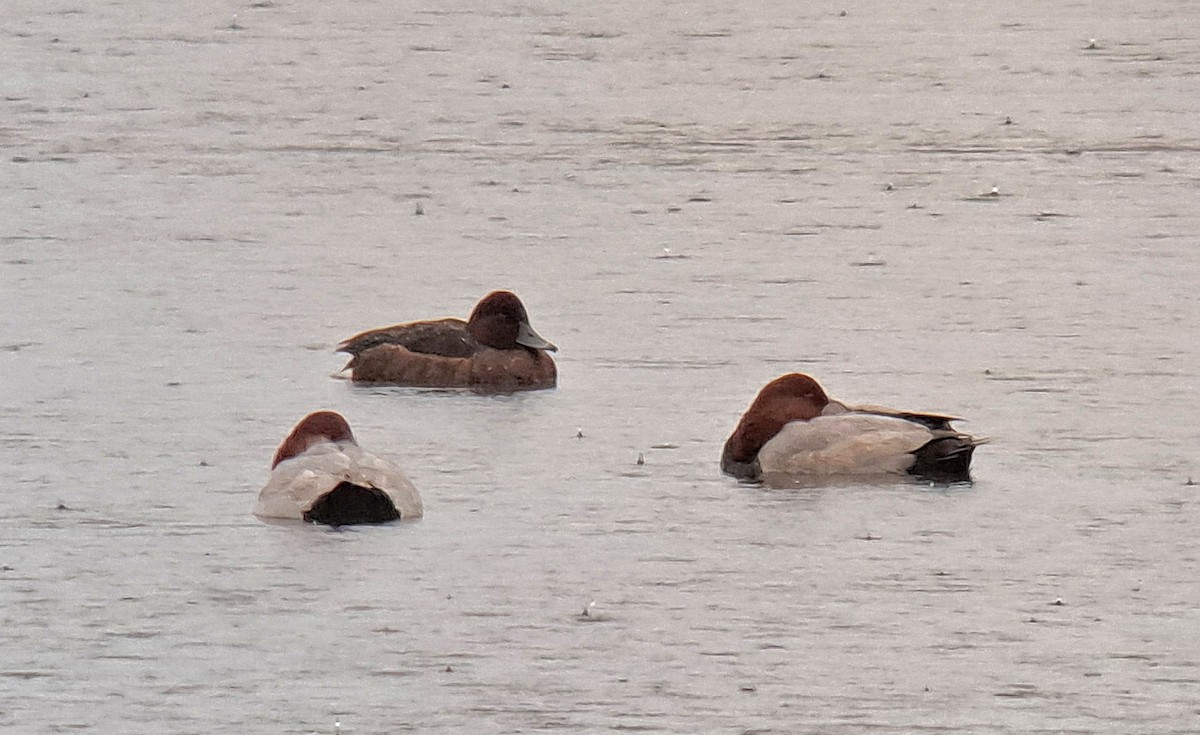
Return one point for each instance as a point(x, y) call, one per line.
point(317, 427)
point(791, 397)
point(499, 321)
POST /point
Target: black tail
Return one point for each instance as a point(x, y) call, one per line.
point(945, 459)
point(348, 504)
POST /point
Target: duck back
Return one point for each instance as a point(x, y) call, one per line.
point(445, 337)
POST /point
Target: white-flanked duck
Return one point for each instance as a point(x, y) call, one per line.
point(793, 429)
point(321, 475)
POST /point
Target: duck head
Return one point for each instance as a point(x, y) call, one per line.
point(499, 321)
point(317, 427)
point(791, 397)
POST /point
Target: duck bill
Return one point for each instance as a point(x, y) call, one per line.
point(526, 337)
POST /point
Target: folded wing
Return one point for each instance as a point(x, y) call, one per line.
point(444, 337)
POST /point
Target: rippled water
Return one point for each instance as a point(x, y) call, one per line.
point(970, 208)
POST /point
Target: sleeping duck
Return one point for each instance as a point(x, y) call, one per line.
point(321, 475)
point(495, 350)
point(794, 430)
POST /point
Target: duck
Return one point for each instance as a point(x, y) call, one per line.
point(494, 350)
point(320, 475)
point(794, 430)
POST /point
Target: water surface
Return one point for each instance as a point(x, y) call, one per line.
point(986, 210)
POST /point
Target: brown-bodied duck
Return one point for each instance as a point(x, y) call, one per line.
point(494, 350)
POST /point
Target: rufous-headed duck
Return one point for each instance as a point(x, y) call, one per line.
point(794, 430)
point(321, 475)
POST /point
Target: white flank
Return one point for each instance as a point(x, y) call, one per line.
point(844, 444)
point(297, 483)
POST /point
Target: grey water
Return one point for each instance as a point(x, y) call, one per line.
point(984, 209)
